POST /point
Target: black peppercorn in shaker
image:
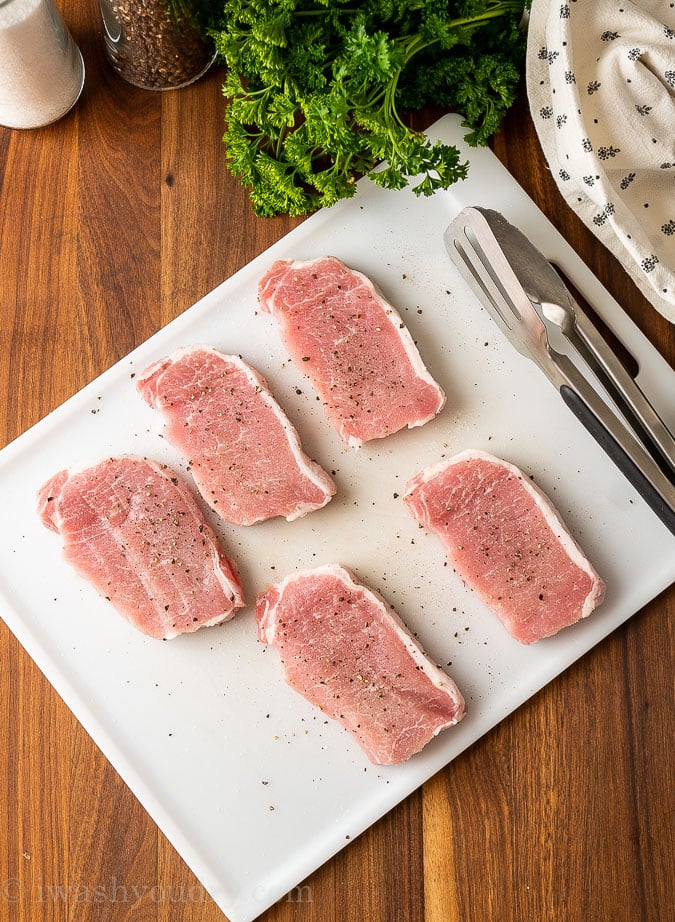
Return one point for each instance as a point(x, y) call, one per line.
point(155, 44)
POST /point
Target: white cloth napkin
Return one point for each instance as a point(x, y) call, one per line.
point(601, 88)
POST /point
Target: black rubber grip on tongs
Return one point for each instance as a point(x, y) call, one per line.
point(613, 449)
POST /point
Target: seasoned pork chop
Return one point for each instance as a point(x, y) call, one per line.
point(353, 346)
point(347, 652)
point(244, 455)
point(506, 540)
point(133, 529)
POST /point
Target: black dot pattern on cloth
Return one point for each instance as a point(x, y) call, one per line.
point(601, 88)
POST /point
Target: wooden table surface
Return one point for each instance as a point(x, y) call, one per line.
point(112, 222)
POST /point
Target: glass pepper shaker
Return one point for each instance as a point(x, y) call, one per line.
point(41, 67)
point(155, 44)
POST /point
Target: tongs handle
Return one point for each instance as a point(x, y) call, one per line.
point(626, 452)
point(647, 419)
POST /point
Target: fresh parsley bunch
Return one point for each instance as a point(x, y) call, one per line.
point(317, 91)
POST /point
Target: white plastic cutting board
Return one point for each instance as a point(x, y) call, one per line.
point(250, 783)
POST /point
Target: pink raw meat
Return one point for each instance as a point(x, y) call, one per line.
point(245, 456)
point(353, 346)
point(506, 540)
point(134, 530)
point(347, 652)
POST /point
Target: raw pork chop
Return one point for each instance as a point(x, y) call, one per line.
point(505, 539)
point(244, 454)
point(134, 530)
point(352, 345)
point(347, 652)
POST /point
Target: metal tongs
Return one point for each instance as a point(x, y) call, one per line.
point(522, 292)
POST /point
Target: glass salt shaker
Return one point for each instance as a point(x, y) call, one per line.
point(41, 67)
point(155, 44)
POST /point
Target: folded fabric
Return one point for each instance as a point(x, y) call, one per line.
point(601, 88)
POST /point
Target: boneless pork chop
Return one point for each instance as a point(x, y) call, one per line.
point(347, 652)
point(506, 540)
point(133, 529)
point(353, 346)
point(244, 455)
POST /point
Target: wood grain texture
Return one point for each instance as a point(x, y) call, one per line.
point(114, 221)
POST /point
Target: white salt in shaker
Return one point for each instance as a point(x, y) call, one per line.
point(41, 67)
